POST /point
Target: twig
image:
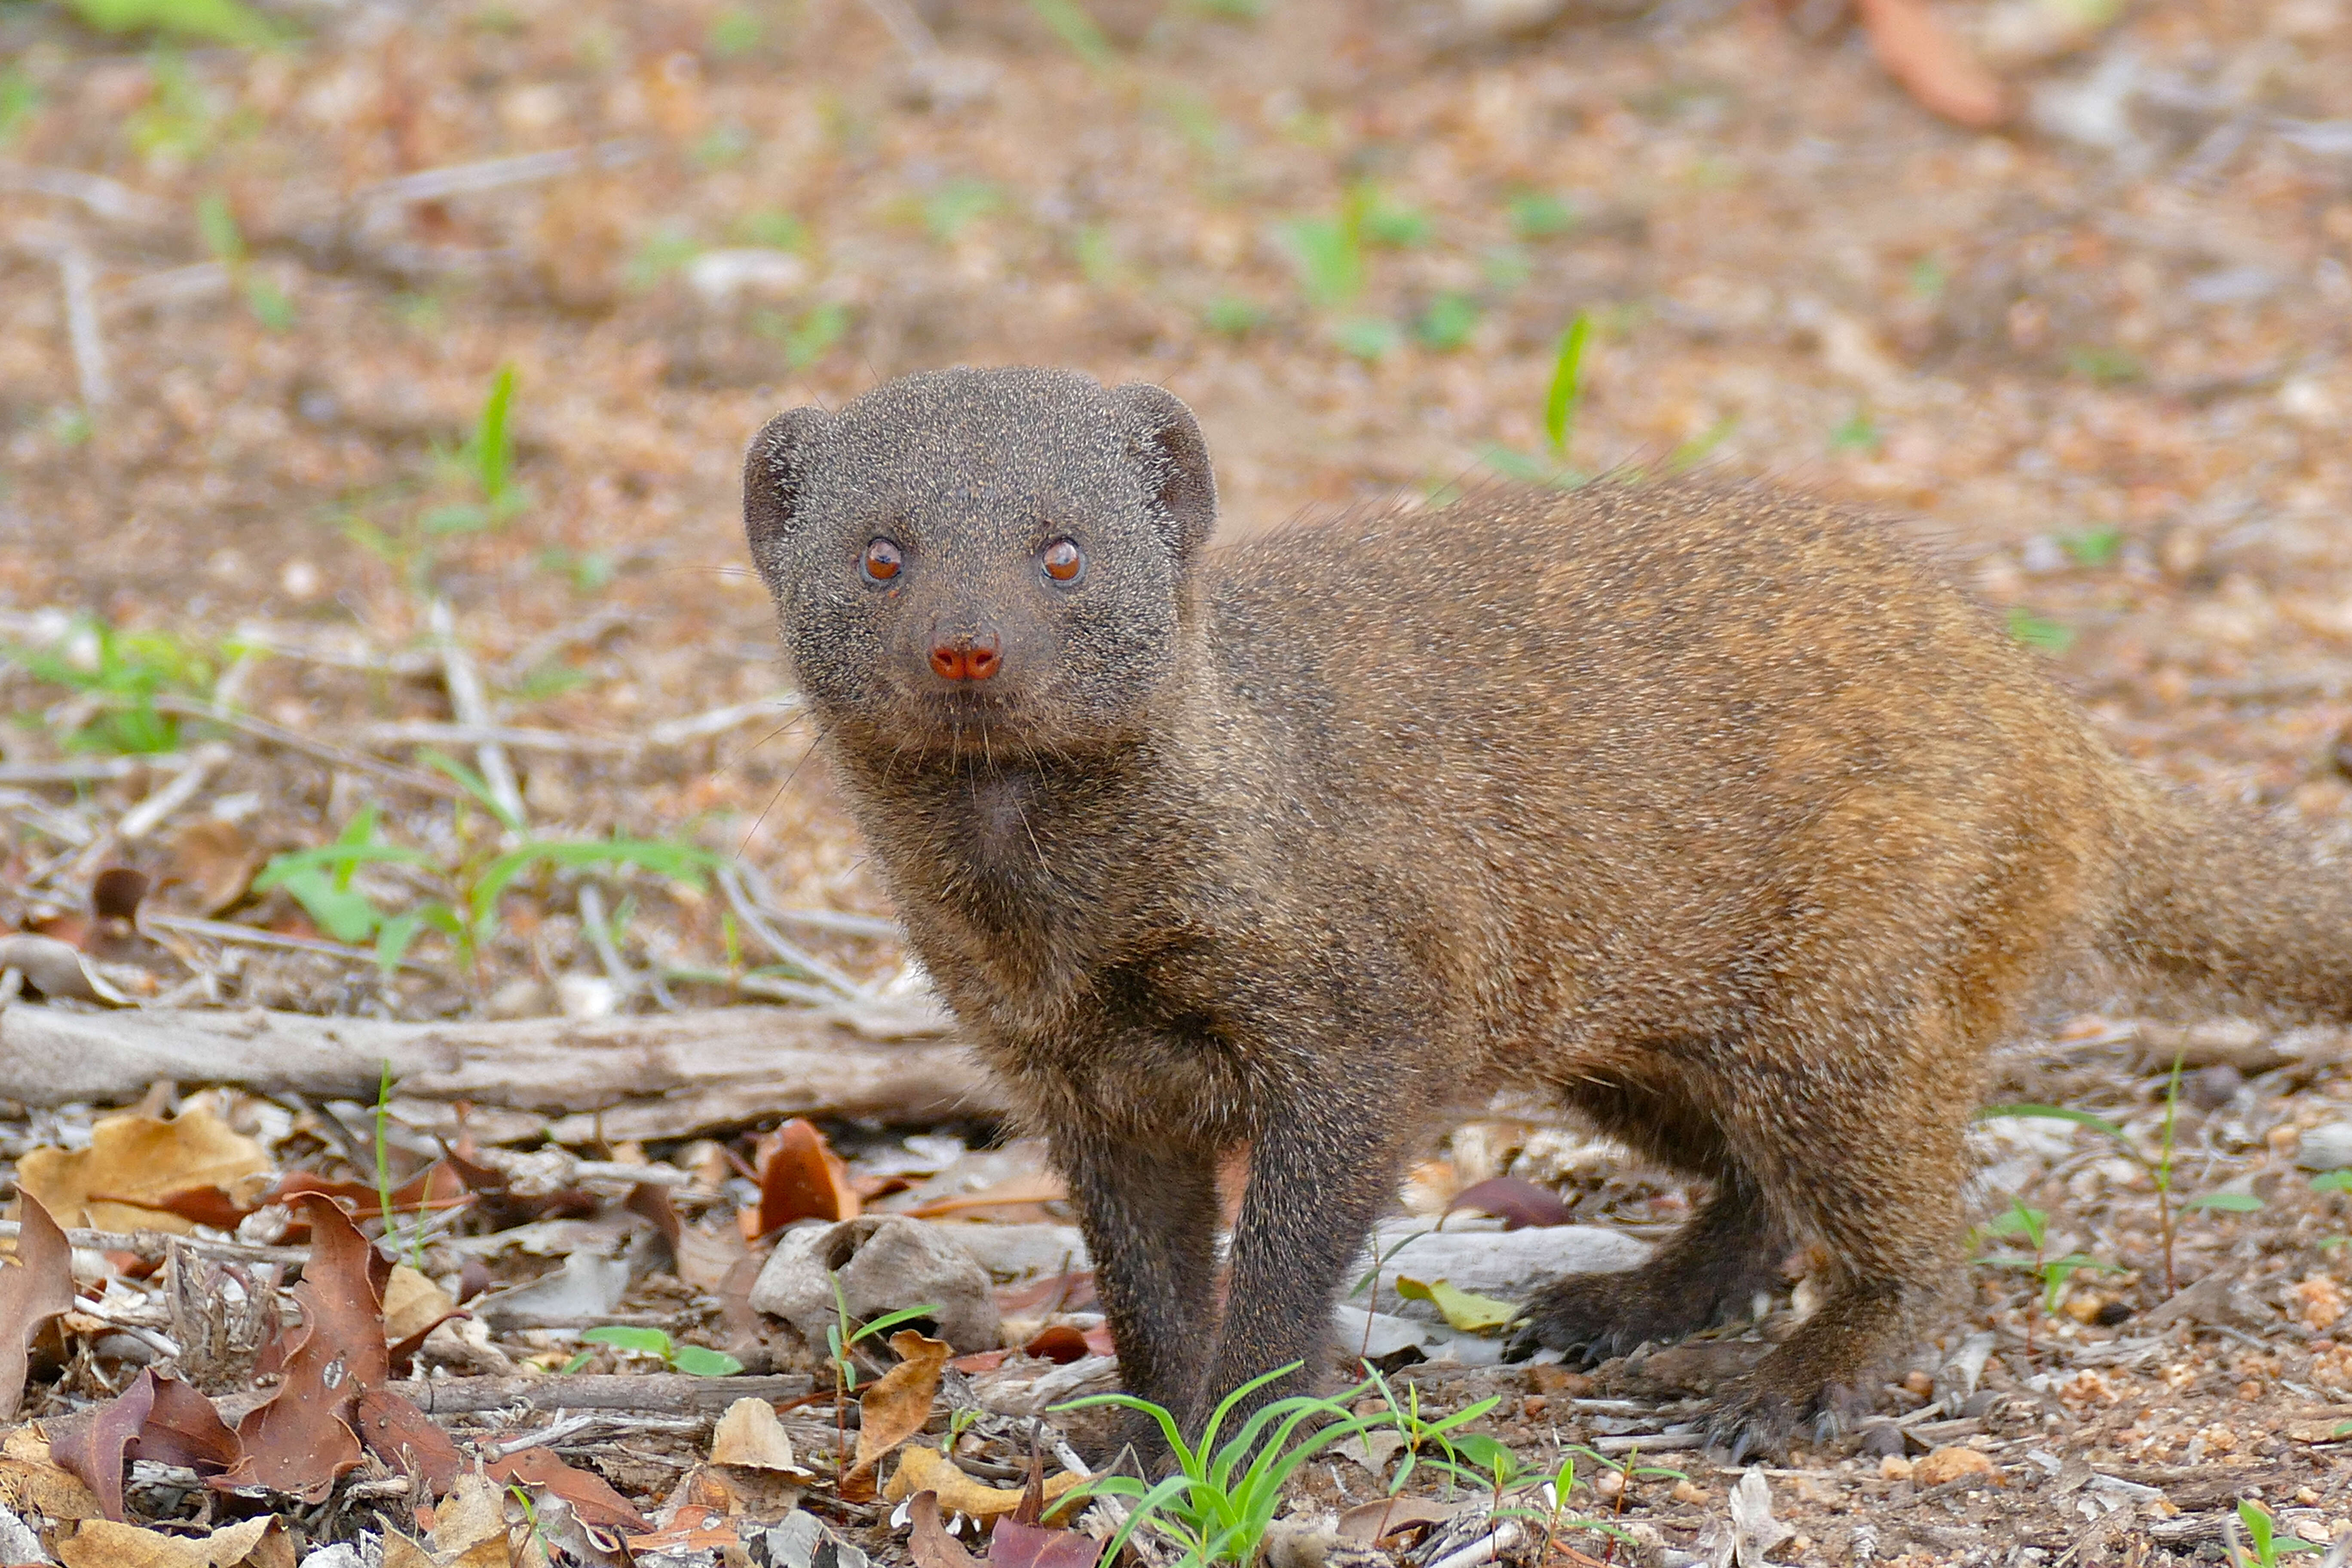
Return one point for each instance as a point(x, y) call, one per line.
point(169, 286)
point(254, 936)
point(105, 198)
point(597, 924)
point(271, 639)
point(656, 1392)
point(716, 720)
point(730, 882)
point(472, 707)
point(78, 277)
point(326, 752)
point(149, 815)
point(547, 645)
point(839, 921)
point(907, 27)
point(495, 174)
point(433, 733)
point(161, 1344)
point(90, 770)
point(156, 1245)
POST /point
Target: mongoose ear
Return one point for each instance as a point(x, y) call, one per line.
point(775, 471)
point(1175, 462)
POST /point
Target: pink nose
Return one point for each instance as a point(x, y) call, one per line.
point(966, 658)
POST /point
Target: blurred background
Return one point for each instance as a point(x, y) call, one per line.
point(321, 321)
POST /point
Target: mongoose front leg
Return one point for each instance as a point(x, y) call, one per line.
point(1321, 1168)
point(1149, 1212)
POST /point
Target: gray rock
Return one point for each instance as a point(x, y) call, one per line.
point(1016, 1252)
point(884, 1263)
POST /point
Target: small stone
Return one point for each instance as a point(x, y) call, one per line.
point(1687, 1491)
point(882, 1263)
point(1919, 1383)
point(1950, 1464)
point(2328, 1147)
point(1895, 1468)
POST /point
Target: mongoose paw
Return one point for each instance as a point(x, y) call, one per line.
point(1757, 1417)
point(1589, 1319)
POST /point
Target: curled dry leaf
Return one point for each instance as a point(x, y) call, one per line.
point(302, 1438)
point(925, 1469)
point(157, 1418)
point(469, 1530)
point(133, 1162)
point(896, 1406)
point(413, 1304)
point(803, 1178)
point(104, 1543)
point(592, 1502)
point(55, 969)
point(1514, 1200)
point(749, 1434)
point(931, 1544)
point(39, 1286)
point(1377, 1522)
point(1932, 64)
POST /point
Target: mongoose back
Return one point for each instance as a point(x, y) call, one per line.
point(1716, 813)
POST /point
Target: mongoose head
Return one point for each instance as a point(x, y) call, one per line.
point(981, 560)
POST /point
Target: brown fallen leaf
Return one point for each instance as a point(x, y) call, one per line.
point(134, 1161)
point(1514, 1200)
point(404, 1437)
point(413, 1304)
point(104, 1543)
point(32, 1481)
point(1374, 1522)
point(39, 1286)
point(470, 1530)
point(210, 863)
point(301, 1438)
point(749, 1434)
point(924, 1469)
point(693, 1528)
point(803, 1178)
point(1013, 1545)
point(1932, 64)
point(896, 1408)
point(931, 1543)
point(593, 1501)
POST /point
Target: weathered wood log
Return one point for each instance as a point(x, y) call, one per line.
point(654, 1075)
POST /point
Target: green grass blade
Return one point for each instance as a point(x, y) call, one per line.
point(1566, 383)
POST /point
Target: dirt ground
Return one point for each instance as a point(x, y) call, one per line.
point(253, 300)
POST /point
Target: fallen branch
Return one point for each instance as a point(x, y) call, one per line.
point(655, 1393)
point(658, 1076)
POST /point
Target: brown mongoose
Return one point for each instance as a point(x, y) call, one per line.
point(1718, 813)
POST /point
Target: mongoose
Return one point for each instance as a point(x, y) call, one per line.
point(1716, 813)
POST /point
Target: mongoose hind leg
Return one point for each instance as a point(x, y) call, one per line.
point(1853, 1120)
point(1712, 1270)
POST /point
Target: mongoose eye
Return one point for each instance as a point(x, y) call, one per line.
point(1062, 561)
point(882, 559)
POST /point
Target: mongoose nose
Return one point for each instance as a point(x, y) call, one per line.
point(966, 658)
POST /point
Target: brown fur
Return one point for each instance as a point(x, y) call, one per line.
point(1716, 812)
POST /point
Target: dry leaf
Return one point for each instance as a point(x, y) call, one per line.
point(413, 1304)
point(212, 863)
point(1013, 1545)
point(692, 1529)
point(37, 1287)
point(925, 1469)
point(1933, 65)
point(592, 1502)
point(750, 1434)
point(1514, 1200)
point(404, 1437)
point(931, 1543)
point(135, 1162)
point(399, 1552)
point(103, 1544)
point(1374, 1522)
point(896, 1406)
point(469, 1529)
point(803, 1178)
point(301, 1439)
point(155, 1418)
point(33, 1482)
